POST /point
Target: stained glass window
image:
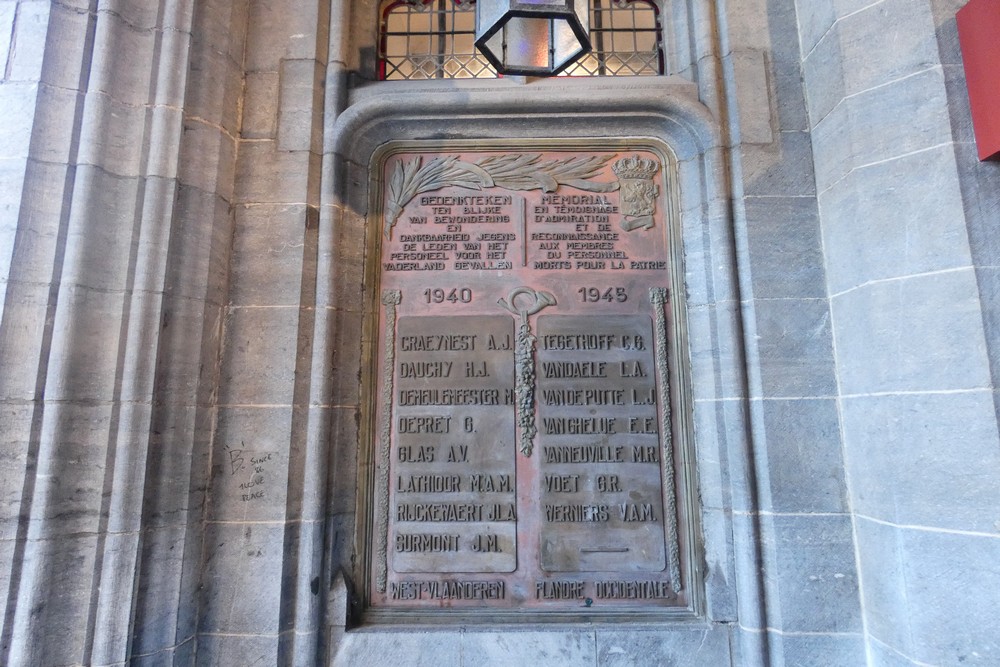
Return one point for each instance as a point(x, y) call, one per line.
point(435, 39)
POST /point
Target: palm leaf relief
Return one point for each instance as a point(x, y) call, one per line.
point(518, 172)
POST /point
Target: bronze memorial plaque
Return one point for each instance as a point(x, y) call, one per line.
point(528, 422)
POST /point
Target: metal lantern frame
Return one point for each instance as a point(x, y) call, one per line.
point(515, 36)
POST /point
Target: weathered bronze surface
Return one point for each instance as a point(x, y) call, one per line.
point(524, 451)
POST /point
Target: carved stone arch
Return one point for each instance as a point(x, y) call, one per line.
point(666, 109)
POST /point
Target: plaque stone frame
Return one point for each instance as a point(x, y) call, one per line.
point(639, 177)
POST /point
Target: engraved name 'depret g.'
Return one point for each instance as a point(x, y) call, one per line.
point(525, 385)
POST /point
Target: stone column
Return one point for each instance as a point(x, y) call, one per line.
point(904, 207)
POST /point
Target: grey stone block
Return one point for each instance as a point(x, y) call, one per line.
point(178, 464)
point(343, 458)
point(22, 339)
point(721, 443)
point(709, 257)
point(117, 47)
point(719, 574)
point(200, 246)
point(305, 554)
point(113, 135)
point(18, 102)
point(753, 96)
point(832, 149)
point(25, 61)
point(53, 598)
point(675, 646)
point(207, 159)
point(902, 33)
point(877, 225)
point(786, 254)
point(340, 531)
point(159, 196)
point(416, 648)
point(221, 650)
point(815, 19)
point(810, 572)
point(74, 445)
point(340, 259)
point(221, 25)
point(260, 106)
point(250, 464)
point(817, 650)
point(899, 117)
point(11, 185)
point(113, 597)
point(747, 24)
point(183, 654)
point(269, 251)
point(794, 347)
point(189, 339)
point(9, 553)
point(925, 459)
point(347, 327)
point(884, 591)
point(175, 47)
point(214, 88)
point(266, 175)
point(499, 649)
point(823, 72)
point(783, 168)
point(980, 183)
point(242, 579)
point(802, 458)
point(78, 369)
point(951, 582)
point(912, 334)
point(15, 432)
point(884, 655)
point(45, 195)
point(139, 17)
point(99, 238)
point(844, 8)
point(989, 294)
point(946, 30)
point(277, 31)
point(960, 112)
point(716, 352)
point(63, 67)
point(782, 29)
point(310, 485)
point(259, 356)
point(7, 12)
point(300, 104)
point(790, 93)
point(163, 144)
point(56, 118)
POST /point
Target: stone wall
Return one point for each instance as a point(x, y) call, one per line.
point(183, 192)
point(902, 204)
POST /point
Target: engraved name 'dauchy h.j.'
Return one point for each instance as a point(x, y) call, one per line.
point(526, 440)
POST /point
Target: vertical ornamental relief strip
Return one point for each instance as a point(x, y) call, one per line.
point(658, 297)
point(390, 299)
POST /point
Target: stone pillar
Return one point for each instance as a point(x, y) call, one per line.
point(904, 205)
point(109, 338)
point(811, 605)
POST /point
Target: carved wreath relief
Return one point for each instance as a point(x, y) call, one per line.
point(524, 444)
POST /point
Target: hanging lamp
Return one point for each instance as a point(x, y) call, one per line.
point(532, 37)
